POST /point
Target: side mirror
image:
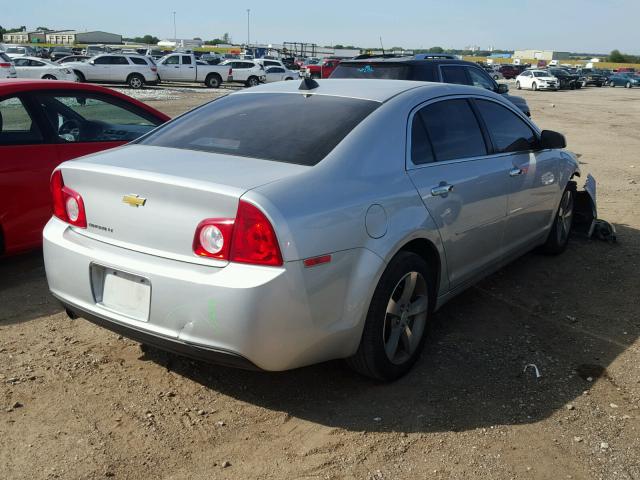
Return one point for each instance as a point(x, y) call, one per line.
point(92, 62)
point(503, 88)
point(551, 140)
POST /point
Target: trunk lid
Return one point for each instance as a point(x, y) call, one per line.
point(151, 199)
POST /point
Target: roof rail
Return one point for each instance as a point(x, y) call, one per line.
point(428, 56)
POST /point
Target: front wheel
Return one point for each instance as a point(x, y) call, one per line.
point(135, 81)
point(397, 320)
point(628, 85)
point(80, 76)
point(49, 77)
point(253, 82)
point(534, 86)
point(518, 86)
point(559, 235)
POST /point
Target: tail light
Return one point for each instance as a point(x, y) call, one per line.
point(67, 203)
point(230, 71)
point(154, 69)
point(5, 65)
point(249, 238)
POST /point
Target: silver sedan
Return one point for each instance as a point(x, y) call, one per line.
point(294, 223)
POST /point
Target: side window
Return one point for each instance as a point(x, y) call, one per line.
point(138, 60)
point(421, 150)
point(120, 61)
point(16, 125)
point(270, 63)
point(453, 130)
point(173, 60)
point(481, 79)
point(21, 62)
point(89, 118)
point(509, 132)
point(186, 60)
point(455, 75)
point(102, 61)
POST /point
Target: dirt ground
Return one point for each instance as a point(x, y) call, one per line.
point(80, 402)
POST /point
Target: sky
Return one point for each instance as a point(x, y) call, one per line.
point(590, 26)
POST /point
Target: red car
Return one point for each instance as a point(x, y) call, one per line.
point(321, 70)
point(42, 124)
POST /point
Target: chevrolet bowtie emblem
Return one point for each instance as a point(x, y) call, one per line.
point(134, 200)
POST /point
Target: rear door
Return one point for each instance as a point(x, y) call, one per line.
point(26, 161)
point(533, 174)
point(464, 188)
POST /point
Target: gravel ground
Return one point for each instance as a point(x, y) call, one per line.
point(80, 402)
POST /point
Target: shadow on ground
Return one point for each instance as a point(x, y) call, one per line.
point(24, 294)
point(570, 315)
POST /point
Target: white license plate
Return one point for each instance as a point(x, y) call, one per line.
point(127, 294)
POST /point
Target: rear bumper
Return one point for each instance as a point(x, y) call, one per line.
point(220, 357)
point(274, 318)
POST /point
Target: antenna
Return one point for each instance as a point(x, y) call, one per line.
point(382, 46)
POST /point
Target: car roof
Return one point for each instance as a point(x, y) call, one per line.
point(376, 90)
point(11, 86)
point(411, 61)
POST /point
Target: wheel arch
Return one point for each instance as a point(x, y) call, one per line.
point(429, 252)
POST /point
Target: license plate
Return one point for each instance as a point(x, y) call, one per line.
point(126, 294)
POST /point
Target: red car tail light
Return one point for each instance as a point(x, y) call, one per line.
point(154, 69)
point(249, 238)
point(5, 65)
point(230, 71)
point(67, 203)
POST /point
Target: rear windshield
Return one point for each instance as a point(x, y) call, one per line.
point(372, 70)
point(5, 57)
point(284, 127)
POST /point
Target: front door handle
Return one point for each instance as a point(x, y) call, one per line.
point(441, 190)
point(514, 172)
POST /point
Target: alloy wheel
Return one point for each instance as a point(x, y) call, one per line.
point(406, 318)
point(565, 217)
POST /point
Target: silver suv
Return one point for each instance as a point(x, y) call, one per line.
point(134, 70)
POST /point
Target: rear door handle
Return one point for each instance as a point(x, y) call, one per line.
point(441, 190)
point(514, 172)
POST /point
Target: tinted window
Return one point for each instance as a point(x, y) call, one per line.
point(186, 60)
point(85, 117)
point(480, 79)
point(173, 60)
point(16, 125)
point(371, 70)
point(509, 133)
point(453, 130)
point(455, 75)
point(270, 63)
point(102, 61)
point(119, 61)
point(282, 127)
point(421, 150)
point(21, 62)
point(275, 70)
point(5, 57)
point(139, 61)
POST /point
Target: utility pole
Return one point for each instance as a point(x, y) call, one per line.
point(248, 31)
point(175, 36)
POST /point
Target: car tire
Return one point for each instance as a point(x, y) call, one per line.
point(495, 77)
point(252, 82)
point(628, 85)
point(387, 351)
point(598, 85)
point(49, 77)
point(135, 81)
point(213, 80)
point(518, 86)
point(288, 78)
point(534, 86)
point(80, 76)
point(612, 85)
point(561, 229)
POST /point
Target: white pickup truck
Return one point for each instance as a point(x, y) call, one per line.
point(183, 67)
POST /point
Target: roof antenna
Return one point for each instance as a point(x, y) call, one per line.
point(382, 46)
point(308, 84)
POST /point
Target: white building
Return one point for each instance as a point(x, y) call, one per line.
point(541, 55)
point(180, 43)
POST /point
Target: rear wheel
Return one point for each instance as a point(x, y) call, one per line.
point(559, 235)
point(394, 330)
point(534, 86)
point(213, 81)
point(518, 85)
point(135, 81)
point(628, 85)
point(252, 82)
